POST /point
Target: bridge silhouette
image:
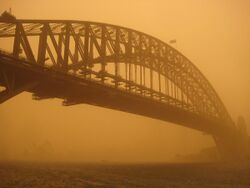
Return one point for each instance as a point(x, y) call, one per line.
point(112, 67)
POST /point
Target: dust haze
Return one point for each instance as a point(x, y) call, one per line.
point(213, 34)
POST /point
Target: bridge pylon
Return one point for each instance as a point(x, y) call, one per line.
point(234, 145)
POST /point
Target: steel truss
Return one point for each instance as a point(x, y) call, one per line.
point(125, 59)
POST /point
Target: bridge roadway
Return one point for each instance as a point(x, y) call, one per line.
point(46, 83)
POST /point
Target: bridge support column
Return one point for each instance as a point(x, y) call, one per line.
point(234, 146)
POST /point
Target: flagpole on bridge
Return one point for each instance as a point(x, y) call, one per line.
point(173, 41)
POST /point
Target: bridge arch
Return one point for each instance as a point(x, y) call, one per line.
point(79, 47)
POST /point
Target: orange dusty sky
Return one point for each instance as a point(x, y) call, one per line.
point(214, 35)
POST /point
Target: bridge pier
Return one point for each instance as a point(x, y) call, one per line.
point(234, 146)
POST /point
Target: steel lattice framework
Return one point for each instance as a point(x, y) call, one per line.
point(117, 57)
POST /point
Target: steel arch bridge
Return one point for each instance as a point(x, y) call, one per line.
point(109, 66)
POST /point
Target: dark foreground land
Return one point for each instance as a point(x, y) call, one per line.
point(76, 175)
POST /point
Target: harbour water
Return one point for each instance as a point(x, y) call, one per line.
point(111, 175)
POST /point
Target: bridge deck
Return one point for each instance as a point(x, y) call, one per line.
point(49, 83)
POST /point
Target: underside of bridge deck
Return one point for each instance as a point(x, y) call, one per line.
point(45, 84)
